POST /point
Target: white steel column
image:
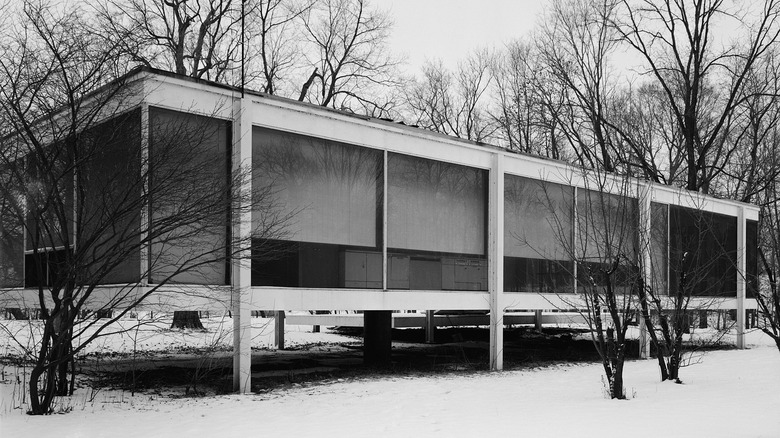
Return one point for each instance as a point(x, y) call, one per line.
point(241, 263)
point(496, 261)
point(385, 263)
point(645, 227)
point(575, 236)
point(741, 276)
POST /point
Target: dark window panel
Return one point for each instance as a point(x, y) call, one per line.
point(607, 227)
point(315, 265)
point(538, 275)
point(11, 244)
point(274, 263)
point(36, 270)
point(621, 279)
point(607, 232)
point(751, 259)
point(43, 200)
point(110, 213)
point(703, 253)
point(538, 228)
point(659, 247)
point(43, 268)
point(190, 208)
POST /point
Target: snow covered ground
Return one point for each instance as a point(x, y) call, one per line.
point(728, 394)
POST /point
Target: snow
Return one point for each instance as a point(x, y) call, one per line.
point(733, 393)
point(153, 335)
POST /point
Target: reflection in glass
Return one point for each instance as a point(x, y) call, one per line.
point(327, 197)
point(437, 216)
point(538, 229)
point(751, 258)
point(111, 187)
point(331, 190)
point(11, 236)
point(607, 233)
point(190, 208)
point(659, 247)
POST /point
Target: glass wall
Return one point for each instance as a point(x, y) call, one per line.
point(190, 206)
point(317, 212)
point(11, 232)
point(751, 259)
point(107, 211)
point(659, 247)
point(538, 228)
point(110, 200)
point(702, 253)
point(49, 214)
point(437, 225)
point(46, 203)
point(607, 234)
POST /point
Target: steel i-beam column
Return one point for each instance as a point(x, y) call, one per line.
point(241, 263)
point(741, 273)
point(496, 261)
point(645, 228)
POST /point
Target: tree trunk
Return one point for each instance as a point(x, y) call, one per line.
point(186, 319)
point(617, 382)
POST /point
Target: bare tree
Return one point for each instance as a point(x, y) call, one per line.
point(351, 66)
point(596, 245)
point(76, 183)
point(649, 138)
point(767, 295)
point(274, 43)
point(701, 77)
point(526, 102)
point(607, 262)
point(751, 176)
point(454, 103)
point(575, 47)
point(197, 38)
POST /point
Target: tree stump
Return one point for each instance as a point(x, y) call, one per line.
point(186, 319)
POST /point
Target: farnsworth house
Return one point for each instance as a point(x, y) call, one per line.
point(188, 195)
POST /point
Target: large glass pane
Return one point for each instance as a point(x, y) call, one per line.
point(702, 253)
point(751, 258)
point(538, 227)
point(49, 213)
point(11, 233)
point(325, 192)
point(607, 237)
point(436, 225)
point(435, 206)
point(189, 158)
point(324, 199)
point(49, 200)
point(659, 247)
point(111, 185)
